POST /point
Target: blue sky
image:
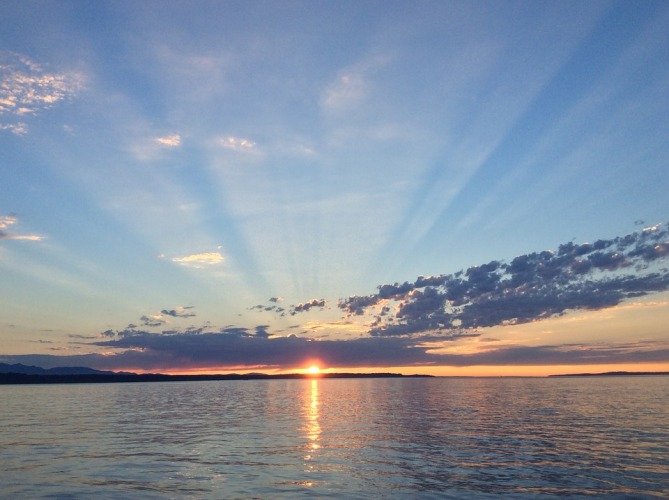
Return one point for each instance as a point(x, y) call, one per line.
point(186, 178)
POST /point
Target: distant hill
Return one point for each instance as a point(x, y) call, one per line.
point(36, 370)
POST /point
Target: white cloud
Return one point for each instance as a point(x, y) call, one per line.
point(353, 84)
point(9, 220)
point(151, 148)
point(199, 260)
point(19, 128)
point(6, 221)
point(27, 89)
point(238, 144)
point(349, 89)
point(172, 140)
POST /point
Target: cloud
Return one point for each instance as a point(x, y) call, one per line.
point(9, 220)
point(307, 306)
point(531, 287)
point(238, 144)
point(199, 260)
point(179, 312)
point(172, 140)
point(240, 347)
point(18, 128)
point(152, 320)
point(352, 84)
point(423, 323)
point(28, 89)
point(347, 90)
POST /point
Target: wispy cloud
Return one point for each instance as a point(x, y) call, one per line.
point(352, 84)
point(238, 144)
point(18, 128)
point(347, 90)
point(9, 220)
point(199, 260)
point(148, 148)
point(171, 140)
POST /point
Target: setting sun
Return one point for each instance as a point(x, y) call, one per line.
point(313, 370)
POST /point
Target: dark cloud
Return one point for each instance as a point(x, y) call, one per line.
point(159, 352)
point(531, 287)
point(180, 312)
point(151, 321)
point(307, 306)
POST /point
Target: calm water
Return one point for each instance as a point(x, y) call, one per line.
point(374, 438)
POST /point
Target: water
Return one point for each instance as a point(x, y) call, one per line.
point(359, 438)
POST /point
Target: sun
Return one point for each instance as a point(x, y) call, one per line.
point(313, 370)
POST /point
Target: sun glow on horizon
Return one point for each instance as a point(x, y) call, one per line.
point(313, 370)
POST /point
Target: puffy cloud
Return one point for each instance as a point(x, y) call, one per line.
point(531, 287)
point(9, 220)
point(307, 306)
point(28, 89)
point(199, 260)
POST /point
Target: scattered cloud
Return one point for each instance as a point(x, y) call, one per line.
point(150, 320)
point(199, 260)
point(238, 144)
point(531, 287)
point(9, 220)
point(26, 88)
point(320, 303)
point(433, 321)
point(18, 128)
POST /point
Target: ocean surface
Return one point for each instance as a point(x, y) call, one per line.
point(344, 438)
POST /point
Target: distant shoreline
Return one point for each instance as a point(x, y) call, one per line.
point(23, 378)
point(110, 378)
point(610, 374)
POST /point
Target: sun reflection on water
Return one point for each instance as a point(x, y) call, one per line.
point(313, 428)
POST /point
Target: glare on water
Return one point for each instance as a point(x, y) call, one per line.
point(355, 437)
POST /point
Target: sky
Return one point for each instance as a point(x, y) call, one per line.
point(438, 187)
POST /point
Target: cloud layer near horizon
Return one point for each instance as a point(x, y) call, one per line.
point(409, 322)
